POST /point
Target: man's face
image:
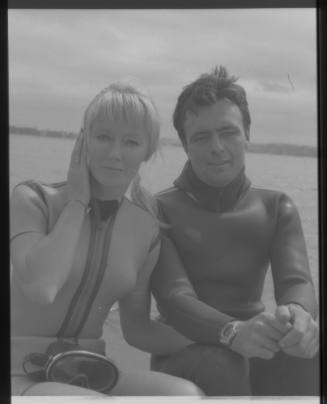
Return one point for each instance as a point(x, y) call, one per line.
point(215, 142)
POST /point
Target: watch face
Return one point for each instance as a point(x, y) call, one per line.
point(227, 333)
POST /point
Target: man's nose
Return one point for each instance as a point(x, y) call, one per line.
point(216, 143)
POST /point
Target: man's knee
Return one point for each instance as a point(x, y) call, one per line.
point(285, 375)
point(215, 369)
point(222, 372)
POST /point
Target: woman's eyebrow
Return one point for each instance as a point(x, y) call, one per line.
point(133, 134)
point(102, 128)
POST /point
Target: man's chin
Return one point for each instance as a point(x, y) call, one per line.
point(218, 180)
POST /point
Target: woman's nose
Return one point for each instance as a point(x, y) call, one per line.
point(115, 150)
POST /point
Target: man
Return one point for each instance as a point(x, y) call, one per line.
point(222, 236)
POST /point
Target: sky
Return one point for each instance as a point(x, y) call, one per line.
point(59, 59)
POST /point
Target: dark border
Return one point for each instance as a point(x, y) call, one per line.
point(4, 218)
point(322, 170)
point(152, 4)
point(159, 4)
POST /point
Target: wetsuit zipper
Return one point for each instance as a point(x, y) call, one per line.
point(100, 273)
point(88, 268)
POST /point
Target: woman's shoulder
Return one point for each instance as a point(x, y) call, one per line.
point(39, 187)
point(37, 192)
point(139, 211)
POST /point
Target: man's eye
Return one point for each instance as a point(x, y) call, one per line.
point(200, 137)
point(230, 132)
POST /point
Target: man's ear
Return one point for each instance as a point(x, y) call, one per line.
point(184, 145)
point(247, 139)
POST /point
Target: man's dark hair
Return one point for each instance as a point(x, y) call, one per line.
point(207, 90)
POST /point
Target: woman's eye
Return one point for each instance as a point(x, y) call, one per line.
point(131, 142)
point(103, 137)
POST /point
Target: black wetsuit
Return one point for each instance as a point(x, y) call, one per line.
point(226, 239)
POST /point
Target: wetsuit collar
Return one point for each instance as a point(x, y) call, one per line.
point(211, 198)
point(103, 209)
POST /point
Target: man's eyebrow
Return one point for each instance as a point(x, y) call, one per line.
point(228, 126)
point(225, 126)
point(201, 132)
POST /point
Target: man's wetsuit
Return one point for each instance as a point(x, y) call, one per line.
point(226, 239)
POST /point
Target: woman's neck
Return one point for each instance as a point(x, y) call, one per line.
point(101, 192)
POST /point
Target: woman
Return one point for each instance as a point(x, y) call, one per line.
point(81, 245)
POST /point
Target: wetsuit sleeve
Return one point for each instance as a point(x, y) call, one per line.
point(289, 260)
point(28, 212)
point(178, 302)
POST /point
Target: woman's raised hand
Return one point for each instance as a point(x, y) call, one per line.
point(78, 173)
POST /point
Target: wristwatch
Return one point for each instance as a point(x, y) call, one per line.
point(228, 332)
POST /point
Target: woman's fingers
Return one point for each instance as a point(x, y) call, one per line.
point(76, 153)
point(84, 152)
point(78, 176)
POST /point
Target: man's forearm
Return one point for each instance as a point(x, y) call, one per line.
point(157, 338)
point(194, 318)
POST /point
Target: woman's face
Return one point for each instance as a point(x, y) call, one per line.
point(116, 150)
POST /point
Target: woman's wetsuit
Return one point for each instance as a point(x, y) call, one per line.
point(108, 256)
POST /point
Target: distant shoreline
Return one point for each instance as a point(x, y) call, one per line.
point(266, 148)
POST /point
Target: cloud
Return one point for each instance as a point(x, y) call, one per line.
point(273, 86)
point(58, 59)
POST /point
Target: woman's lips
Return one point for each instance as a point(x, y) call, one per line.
point(113, 168)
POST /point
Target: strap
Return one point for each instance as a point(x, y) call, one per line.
point(38, 360)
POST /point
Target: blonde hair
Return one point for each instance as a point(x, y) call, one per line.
point(124, 101)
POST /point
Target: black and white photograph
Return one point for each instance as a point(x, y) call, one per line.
point(164, 232)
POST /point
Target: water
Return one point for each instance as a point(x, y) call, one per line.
point(47, 159)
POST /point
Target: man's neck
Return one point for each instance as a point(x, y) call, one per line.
point(212, 198)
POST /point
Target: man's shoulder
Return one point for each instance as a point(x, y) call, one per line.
point(266, 193)
point(275, 199)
